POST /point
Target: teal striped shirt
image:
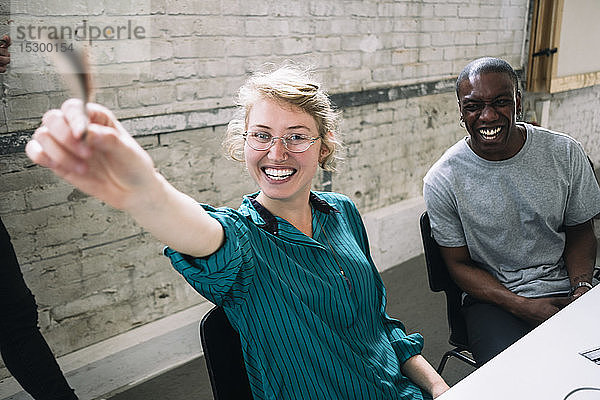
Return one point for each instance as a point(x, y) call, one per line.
point(307, 332)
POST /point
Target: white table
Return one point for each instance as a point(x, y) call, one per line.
point(545, 364)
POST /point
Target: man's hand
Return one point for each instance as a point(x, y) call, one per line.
point(4, 54)
point(580, 291)
point(536, 311)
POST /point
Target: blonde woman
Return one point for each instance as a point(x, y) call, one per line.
point(291, 267)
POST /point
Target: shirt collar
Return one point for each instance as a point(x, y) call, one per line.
point(262, 217)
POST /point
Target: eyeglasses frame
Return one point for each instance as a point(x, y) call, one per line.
point(283, 140)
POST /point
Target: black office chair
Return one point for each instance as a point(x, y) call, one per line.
point(223, 355)
point(439, 280)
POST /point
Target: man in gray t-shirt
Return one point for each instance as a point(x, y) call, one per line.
point(511, 207)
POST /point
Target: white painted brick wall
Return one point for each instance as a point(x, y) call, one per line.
point(262, 31)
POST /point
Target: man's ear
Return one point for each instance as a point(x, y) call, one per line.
point(459, 109)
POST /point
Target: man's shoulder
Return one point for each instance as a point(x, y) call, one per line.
point(551, 137)
point(558, 146)
point(446, 164)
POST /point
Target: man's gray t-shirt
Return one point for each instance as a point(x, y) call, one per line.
point(511, 214)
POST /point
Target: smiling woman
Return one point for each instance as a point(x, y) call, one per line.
point(289, 86)
point(291, 267)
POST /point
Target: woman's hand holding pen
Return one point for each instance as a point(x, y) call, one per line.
point(109, 164)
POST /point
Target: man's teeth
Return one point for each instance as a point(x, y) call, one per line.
point(489, 133)
point(278, 174)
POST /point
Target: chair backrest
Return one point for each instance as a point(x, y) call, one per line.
point(439, 280)
point(593, 170)
point(224, 359)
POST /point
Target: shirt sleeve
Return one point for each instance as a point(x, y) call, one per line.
point(405, 346)
point(224, 276)
point(446, 226)
point(583, 202)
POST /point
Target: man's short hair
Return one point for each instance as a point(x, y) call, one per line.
point(487, 64)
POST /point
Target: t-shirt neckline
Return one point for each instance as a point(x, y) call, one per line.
point(517, 157)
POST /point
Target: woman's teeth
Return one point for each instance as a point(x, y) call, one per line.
point(490, 133)
point(278, 174)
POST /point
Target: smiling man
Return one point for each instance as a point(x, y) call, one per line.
point(511, 206)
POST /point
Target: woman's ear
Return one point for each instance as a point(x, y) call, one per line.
point(325, 150)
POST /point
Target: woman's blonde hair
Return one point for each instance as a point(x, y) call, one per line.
point(293, 85)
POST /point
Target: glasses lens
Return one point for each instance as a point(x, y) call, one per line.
point(297, 144)
point(258, 140)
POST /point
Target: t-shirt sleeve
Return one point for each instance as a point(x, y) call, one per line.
point(446, 227)
point(583, 202)
point(224, 276)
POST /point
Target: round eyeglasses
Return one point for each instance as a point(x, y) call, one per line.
point(296, 143)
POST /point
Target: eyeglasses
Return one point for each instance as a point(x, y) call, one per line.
point(294, 142)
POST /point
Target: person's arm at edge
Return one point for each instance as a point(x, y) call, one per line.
point(418, 370)
point(4, 54)
point(580, 254)
point(483, 286)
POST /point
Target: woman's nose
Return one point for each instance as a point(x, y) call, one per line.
point(278, 151)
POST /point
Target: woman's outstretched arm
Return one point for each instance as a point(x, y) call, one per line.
point(97, 155)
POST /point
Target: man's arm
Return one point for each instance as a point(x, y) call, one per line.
point(580, 255)
point(483, 286)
